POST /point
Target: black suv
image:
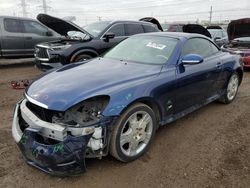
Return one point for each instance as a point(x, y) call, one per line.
point(85, 43)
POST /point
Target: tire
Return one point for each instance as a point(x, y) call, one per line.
point(232, 89)
point(131, 140)
point(82, 57)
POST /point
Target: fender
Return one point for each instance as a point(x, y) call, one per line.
point(83, 51)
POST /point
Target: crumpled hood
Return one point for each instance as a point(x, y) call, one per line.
point(238, 28)
point(65, 87)
point(59, 25)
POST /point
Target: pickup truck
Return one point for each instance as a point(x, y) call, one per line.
point(19, 36)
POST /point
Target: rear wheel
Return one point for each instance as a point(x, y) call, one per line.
point(232, 89)
point(133, 133)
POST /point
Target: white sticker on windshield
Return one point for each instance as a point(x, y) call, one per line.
point(155, 45)
point(96, 31)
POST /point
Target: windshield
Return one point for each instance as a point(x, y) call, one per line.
point(96, 28)
point(144, 49)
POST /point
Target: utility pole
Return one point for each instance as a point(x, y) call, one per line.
point(99, 18)
point(24, 5)
point(210, 15)
point(45, 7)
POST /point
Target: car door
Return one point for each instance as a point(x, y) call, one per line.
point(12, 43)
point(119, 31)
point(197, 83)
point(34, 33)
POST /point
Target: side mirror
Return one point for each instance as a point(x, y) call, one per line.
point(191, 59)
point(108, 36)
point(49, 33)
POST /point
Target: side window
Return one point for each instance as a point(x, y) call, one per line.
point(199, 46)
point(118, 30)
point(12, 25)
point(34, 27)
point(149, 28)
point(132, 29)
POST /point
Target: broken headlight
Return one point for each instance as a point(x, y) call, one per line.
point(85, 113)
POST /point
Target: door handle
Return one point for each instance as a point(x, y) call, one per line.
point(28, 38)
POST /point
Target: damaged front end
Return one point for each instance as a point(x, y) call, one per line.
point(58, 142)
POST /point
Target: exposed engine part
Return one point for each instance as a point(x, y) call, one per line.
point(96, 141)
point(85, 113)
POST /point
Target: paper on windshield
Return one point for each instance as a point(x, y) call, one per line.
point(156, 46)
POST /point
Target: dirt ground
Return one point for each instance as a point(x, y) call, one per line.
point(208, 148)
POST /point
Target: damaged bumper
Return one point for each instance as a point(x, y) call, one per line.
point(54, 148)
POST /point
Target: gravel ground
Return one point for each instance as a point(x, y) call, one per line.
point(208, 148)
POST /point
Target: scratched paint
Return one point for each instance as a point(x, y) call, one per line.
point(128, 96)
point(35, 152)
point(117, 108)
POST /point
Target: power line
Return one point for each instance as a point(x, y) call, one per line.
point(44, 6)
point(210, 14)
point(129, 8)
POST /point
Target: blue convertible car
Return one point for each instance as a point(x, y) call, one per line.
point(115, 103)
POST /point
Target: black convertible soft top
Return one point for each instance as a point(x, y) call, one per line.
point(196, 28)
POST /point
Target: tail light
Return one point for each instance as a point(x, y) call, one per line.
point(245, 60)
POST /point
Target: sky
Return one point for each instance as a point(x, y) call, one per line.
point(87, 11)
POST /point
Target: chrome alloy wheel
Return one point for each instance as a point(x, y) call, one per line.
point(136, 133)
point(232, 87)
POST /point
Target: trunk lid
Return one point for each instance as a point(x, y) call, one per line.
point(239, 28)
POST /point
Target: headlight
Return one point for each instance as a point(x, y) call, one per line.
point(83, 114)
point(62, 47)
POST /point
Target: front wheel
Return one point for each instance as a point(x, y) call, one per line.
point(232, 89)
point(82, 57)
point(133, 133)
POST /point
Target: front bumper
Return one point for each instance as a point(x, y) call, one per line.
point(46, 65)
point(65, 157)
